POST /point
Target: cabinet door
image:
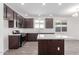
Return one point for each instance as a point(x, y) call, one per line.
point(15, 16)
point(24, 24)
point(14, 42)
point(5, 11)
point(60, 47)
point(42, 47)
point(9, 14)
point(26, 37)
point(28, 23)
point(19, 21)
point(10, 23)
point(52, 47)
point(56, 47)
point(49, 23)
point(32, 36)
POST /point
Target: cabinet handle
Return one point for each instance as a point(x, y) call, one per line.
point(58, 48)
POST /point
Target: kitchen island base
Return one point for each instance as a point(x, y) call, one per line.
point(51, 47)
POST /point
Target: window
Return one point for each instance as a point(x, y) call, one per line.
point(36, 25)
point(61, 26)
point(39, 23)
point(64, 29)
point(58, 29)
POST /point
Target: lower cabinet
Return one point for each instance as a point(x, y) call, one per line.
point(42, 47)
point(25, 37)
point(32, 36)
point(14, 42)
point(51, 47)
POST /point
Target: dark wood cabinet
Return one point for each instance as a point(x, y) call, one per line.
point(9, 14)
point(14, 15)
point(56, 47)
point(24, 23)
point(19, 21)
point(11, 23)
point(42, 47)
point(26, 37)
point(5, 11)
point(14, 42)
point(51, 47)
point(32, 36)
point(28, 23)
point(49, 22)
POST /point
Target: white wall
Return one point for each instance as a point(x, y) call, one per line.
point(1, 36)
point(3, 32)
point(1, 28)
point(73, 27)
point(5, 35)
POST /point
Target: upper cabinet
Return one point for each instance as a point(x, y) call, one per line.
point(28, 23)
point(14, 15)
point(14, 19)
point(10, 23)
point(49, 22)
point(24, 22)
point(9, 14)
point(5, 11)
point(19, 21)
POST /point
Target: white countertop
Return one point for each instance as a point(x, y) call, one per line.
point(54, 36)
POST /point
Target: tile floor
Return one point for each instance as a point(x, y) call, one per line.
point(29, 48)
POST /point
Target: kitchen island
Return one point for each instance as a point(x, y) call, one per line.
point(51, 44)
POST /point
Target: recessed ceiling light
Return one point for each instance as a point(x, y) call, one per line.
point(59, 4)
point(44, 4)
point(22, 3)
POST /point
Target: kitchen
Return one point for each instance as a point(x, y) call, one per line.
point(49, 30)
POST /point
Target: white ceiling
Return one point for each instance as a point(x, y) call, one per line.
point(35, 9)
